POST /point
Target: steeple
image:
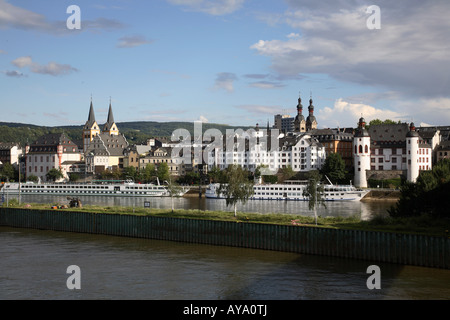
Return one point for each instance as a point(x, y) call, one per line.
point(311, 107)
point(91, 117)
point(91, 128)
point(299, 122)
point(110, 113)
point(311, 122)
point(110, 126)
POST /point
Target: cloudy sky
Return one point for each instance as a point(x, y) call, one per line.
point(235, 62)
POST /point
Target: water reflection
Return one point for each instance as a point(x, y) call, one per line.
point(364, 210)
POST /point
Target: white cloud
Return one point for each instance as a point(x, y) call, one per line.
point(212, 7)
point(12, 16)
point(203, 119)
point(52, 68)
point(408, 54)
point(132, 41)
point(22, 62)
point(346, 114)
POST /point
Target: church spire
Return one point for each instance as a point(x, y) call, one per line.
point(91, 117)
point(110, 120)
point(110, 126)
point(311, 107)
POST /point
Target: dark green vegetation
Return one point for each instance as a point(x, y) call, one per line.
point(135, 132)
point(334, 168)
point(235, 186)
point(429, 196)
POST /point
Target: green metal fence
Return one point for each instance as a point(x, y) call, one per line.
point(367, 245)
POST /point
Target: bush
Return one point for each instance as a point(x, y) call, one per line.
point(428, 196)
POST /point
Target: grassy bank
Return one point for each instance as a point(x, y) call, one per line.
point(415, 225)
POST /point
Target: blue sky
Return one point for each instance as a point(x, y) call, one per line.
point(236, 62)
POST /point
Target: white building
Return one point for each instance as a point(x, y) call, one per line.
point(300, 151)
point(51, 151)
point(394, 150)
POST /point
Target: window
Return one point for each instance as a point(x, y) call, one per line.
point(360, 149)
point(366, 149)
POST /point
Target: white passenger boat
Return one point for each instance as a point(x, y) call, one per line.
point(126, 189)
point(295, 191)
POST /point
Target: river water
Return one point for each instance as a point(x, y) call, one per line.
point(34, 264)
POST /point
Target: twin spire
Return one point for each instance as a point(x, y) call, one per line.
point(109, 127)
point(300, 124)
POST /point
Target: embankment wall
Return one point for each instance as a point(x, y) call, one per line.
point(388, 247)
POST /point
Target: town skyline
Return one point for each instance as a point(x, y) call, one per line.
point(233, 62)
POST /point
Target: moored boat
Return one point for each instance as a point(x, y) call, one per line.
point(125, 189)
point(295, 191)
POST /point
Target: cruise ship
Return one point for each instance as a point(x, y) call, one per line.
point(295, 191)
point(125, 189)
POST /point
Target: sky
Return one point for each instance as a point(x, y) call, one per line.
point(235, 62)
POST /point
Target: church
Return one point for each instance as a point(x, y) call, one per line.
point(103, 148)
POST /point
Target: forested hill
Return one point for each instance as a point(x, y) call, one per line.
point(135, 132)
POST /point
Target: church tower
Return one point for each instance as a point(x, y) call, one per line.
point(110, 126)
point(361, 145)
point(412, 151)
point(311, 122)
point(90, 129)
point(299, 122)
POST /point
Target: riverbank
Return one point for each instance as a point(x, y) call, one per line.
point(330, 240)
point(415, 225)
point(382, 195)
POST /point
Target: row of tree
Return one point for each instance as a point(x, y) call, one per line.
point(429, 195)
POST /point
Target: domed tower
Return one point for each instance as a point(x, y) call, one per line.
point(90, 129)
point(361, 150)
point(299, 122)
point(412, 151)
point(311, 122)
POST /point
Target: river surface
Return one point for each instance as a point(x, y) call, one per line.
point(34, 264)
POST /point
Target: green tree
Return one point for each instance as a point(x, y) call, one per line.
point(287, 173)
point(7, 172)
point(54, 174)
point(334, 167)
point(271, 179)
point(314, 191)
point(236, 186)
point(130, 173)
point(162, 172)
point(215, 174)
point(173, 189)
point(428, 196)
point(73, 177)
point(149, 173)
point(32, 178)
point(375, 122)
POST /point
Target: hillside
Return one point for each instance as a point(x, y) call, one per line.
point(135, 132)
